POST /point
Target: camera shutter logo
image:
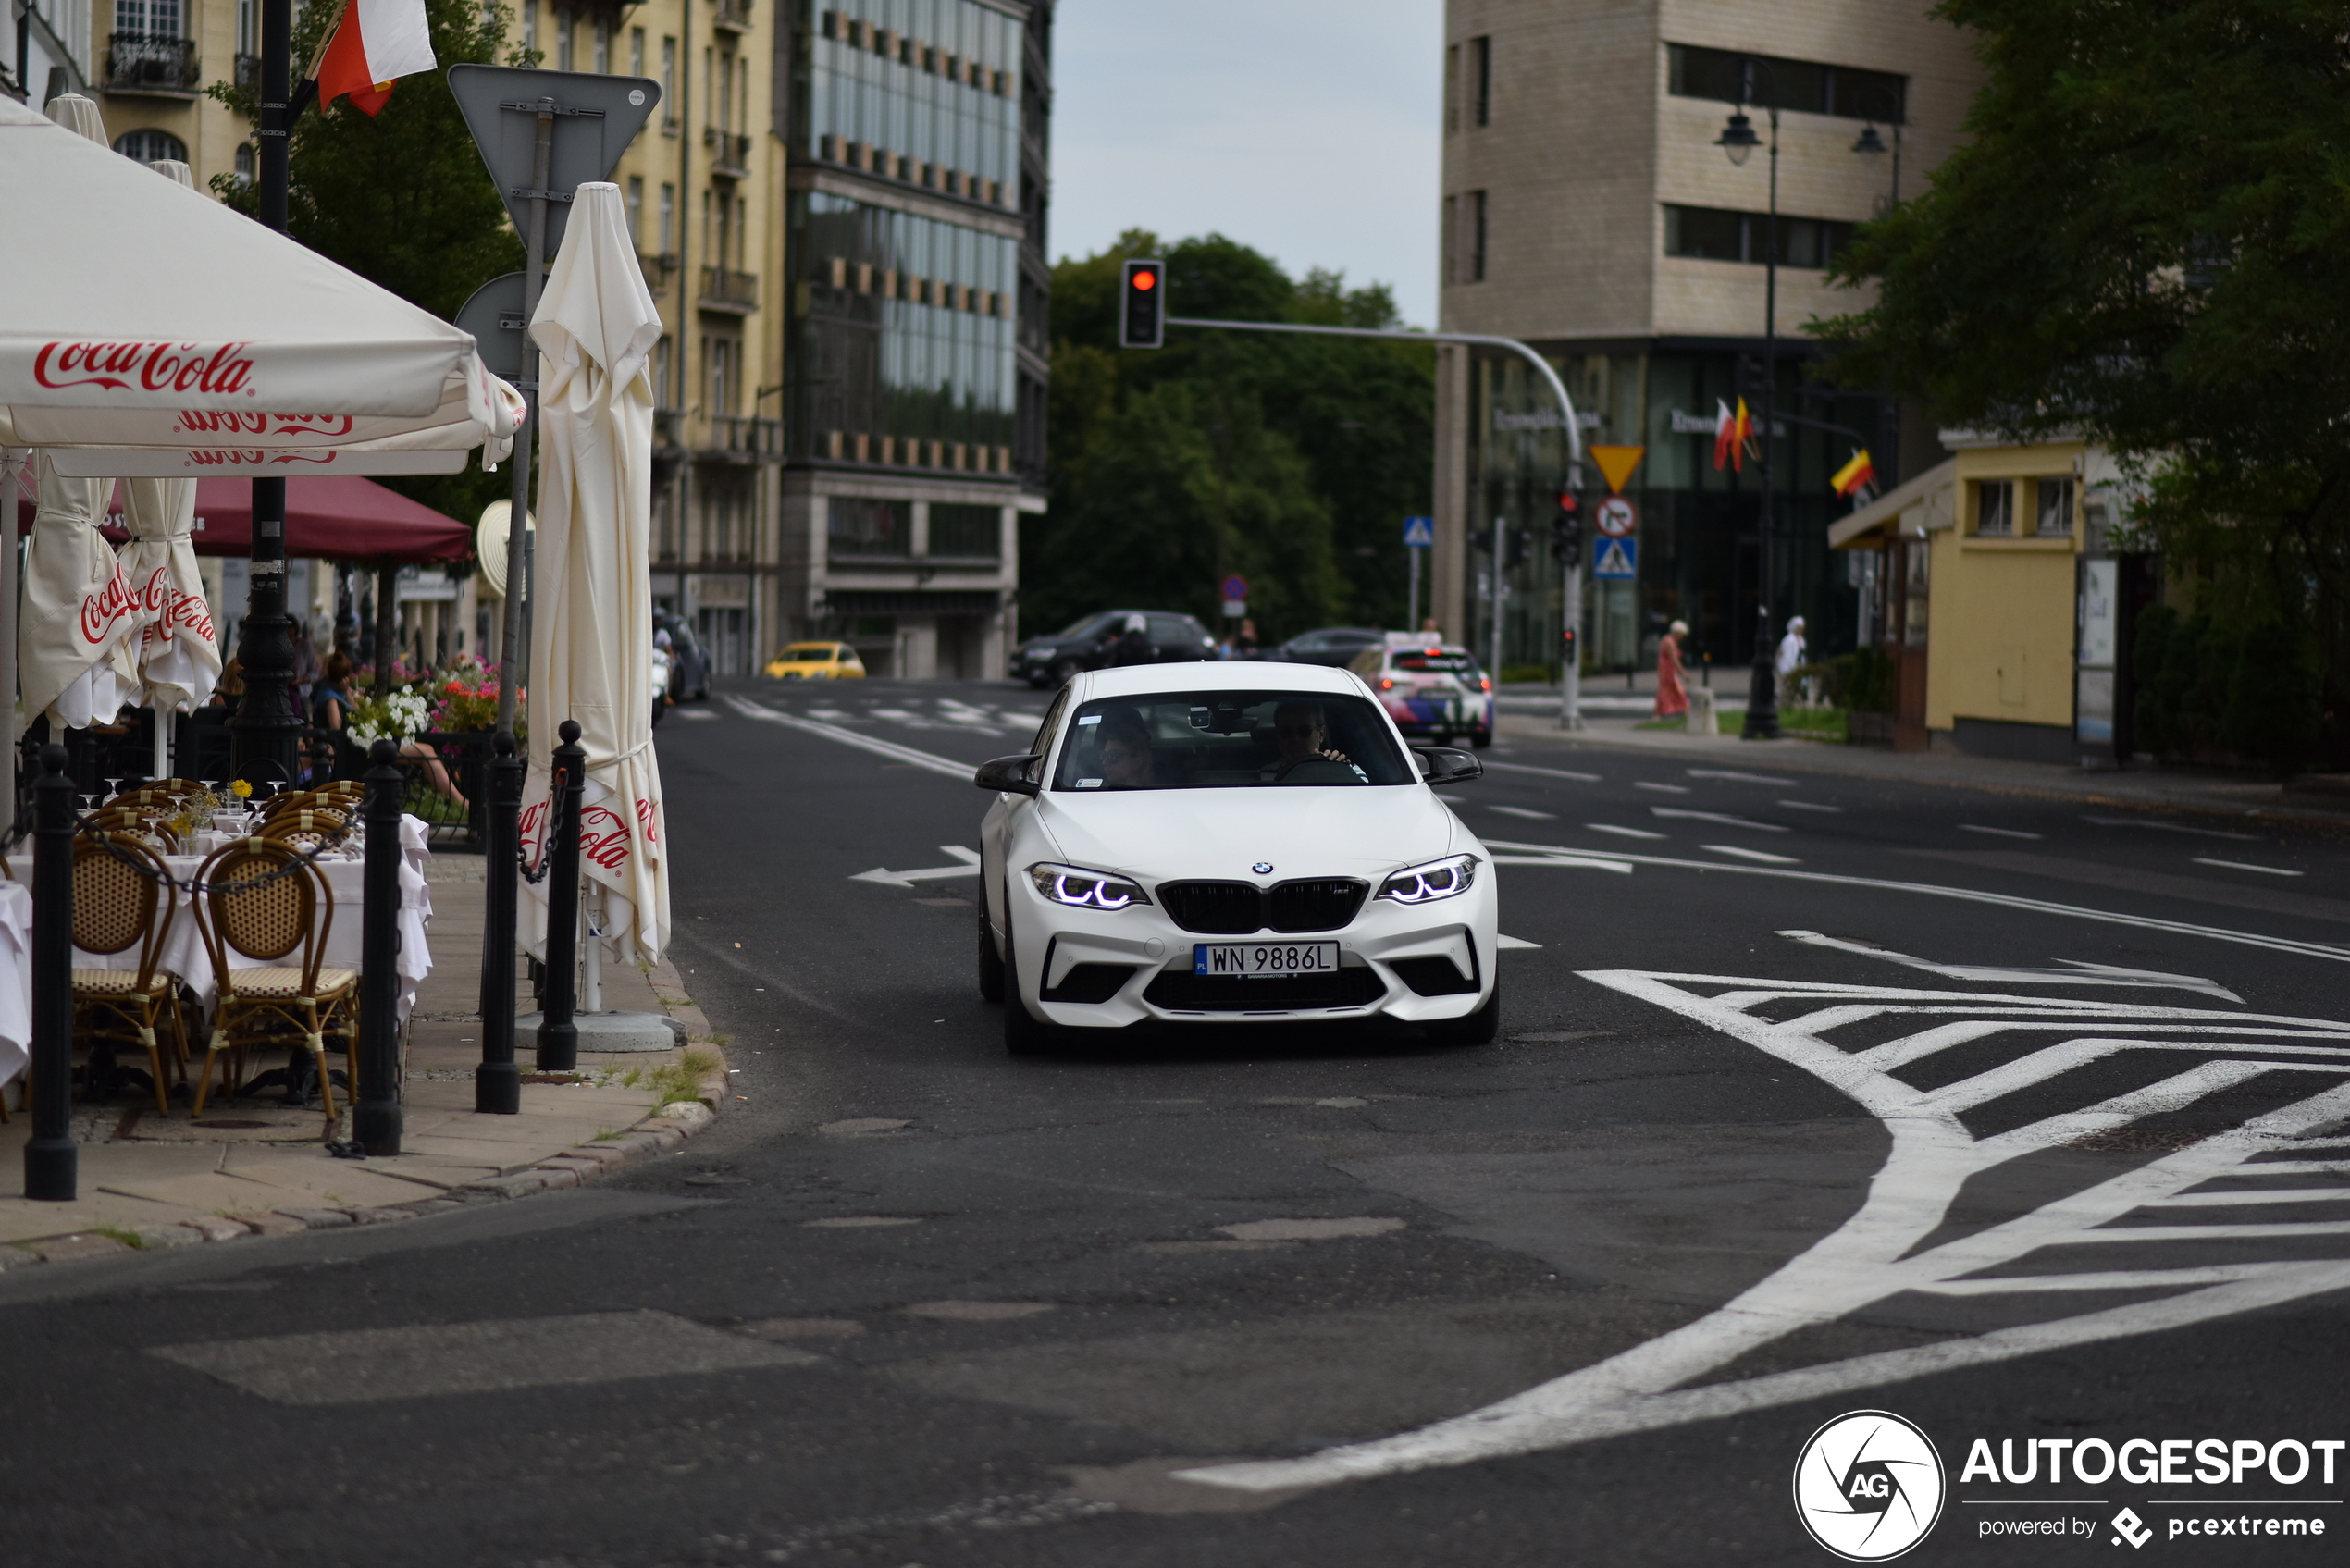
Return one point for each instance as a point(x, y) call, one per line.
point(1869, 1486)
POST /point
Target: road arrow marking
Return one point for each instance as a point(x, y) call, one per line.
point(2077, 972)
point(886, 878)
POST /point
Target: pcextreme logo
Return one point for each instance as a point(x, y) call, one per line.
point(1869, 1486)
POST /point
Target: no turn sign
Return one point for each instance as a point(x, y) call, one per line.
point(1616, 516)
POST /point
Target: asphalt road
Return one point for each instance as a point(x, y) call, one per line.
point(2022, 1119)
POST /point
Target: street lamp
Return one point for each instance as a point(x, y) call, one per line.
point(1873, 145)
point(1738, 141)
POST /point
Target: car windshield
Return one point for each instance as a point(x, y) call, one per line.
point(801, 652)
point(1085, 623)
point(1227, 740)
point(1436, 663)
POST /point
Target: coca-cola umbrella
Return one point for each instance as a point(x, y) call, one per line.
point(80, 620)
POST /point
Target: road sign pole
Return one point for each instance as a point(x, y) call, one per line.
point(1412, 603)
point(1570, 645)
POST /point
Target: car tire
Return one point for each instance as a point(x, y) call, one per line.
point(1024, 1035)
point(1481, 739)
point(1479, 1028)
point(991, 963)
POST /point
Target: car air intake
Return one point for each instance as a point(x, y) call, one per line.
point(1432, 976)
point(1215, 908)
point(1180, 991)
point(1316, 905)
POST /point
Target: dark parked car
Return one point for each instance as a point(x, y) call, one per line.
point(1098, 641)
point(1333, 646)
point(689, 677)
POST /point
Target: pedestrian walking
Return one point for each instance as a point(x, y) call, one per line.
point(1244, 642)
point(1793, 656)
point(1133, 645)
point(1672, 695)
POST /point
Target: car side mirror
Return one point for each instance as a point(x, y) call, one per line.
point(1008, 775)
point(1445, 765)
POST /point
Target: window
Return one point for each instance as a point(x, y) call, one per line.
point(636, 51)
point(1482, 78)
point(150, 147)
point(2055, 517)
point(563, 31)
point(1448, 237)
point(147, 19)
point(1451, 88)
point(636, 211)
point(244, 163)
point(1725, 77)
point(669, 83)
point(668, 220)
point(604, 47)
point(529, 26)
point(662, 384)
point(247, 27)
point(1477, 237)
point(972, 532)
point(1995, 508)
point(856, 526)
point(1716, 234)
point(718, 356)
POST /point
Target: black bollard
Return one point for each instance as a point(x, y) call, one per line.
point(52, 1164)
point(375, 1115)
point(558, 1035)
point(498, 1082)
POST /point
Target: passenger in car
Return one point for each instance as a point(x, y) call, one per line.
point(1300, 732)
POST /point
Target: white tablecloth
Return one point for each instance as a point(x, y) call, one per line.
point(15, 979)
point(183, 950)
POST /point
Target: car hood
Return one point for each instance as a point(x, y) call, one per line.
point(1156, 835)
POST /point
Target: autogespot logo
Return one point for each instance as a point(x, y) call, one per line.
point(1869, 1486)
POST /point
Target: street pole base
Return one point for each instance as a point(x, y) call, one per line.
point(52, 1170)
point(376, 1126)
point(558, 1048)
point(498, 1089)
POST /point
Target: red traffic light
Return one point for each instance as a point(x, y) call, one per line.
point(1141, 320)
point(1567, 501)
point(1146, 281)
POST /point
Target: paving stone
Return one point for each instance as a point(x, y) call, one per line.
point(606, 1154)
point(270, 1224)
point(215, 1228)
point(580, 1164)
point(558, 1176)
point(319, 1219)
point(66, 1249)
point(386, 1215)
point(691, 1114)
point(668, 1135)
point(17, 1257)
point(517, 1186)
point(168, 1236)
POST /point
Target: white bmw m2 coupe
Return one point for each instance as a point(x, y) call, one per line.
point(1230, 843)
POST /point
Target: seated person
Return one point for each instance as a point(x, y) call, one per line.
point(1302, 734)
point(1126, 752)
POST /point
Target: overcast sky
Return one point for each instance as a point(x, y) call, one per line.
point(1306, 129)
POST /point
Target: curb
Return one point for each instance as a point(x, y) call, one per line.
point(664, 1131)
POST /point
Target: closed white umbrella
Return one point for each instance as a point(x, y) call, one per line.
point(591, 644)
point(80, 621)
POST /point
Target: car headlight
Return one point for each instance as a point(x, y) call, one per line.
point(1438, 878)
point(1083, 889)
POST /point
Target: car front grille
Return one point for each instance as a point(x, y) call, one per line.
point(1240, 908)
point(1180, 991)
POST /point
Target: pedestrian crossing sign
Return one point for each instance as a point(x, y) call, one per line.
point(1419, 533)
point(1617, 558)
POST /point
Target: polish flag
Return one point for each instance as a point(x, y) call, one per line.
point(1730, 436)
point(376, 42)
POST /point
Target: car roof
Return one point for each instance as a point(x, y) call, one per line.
point(1140, 680)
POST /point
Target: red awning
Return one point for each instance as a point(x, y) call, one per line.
point(328, 517)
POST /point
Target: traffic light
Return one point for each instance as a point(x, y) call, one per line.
point(1567, 527)
point(1141, 314)
point(1521, 547)
point(1481, 541)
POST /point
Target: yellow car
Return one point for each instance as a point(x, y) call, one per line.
point(817, 661)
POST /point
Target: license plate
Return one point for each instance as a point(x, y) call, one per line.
point(1264, 960)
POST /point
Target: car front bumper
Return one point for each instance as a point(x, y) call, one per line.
point(1051, 940)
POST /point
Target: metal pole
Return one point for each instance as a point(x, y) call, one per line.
point(1571, 641)
point(386, 622)
point(1501, 553)
point(558, 1035)
point(11, 477)
point(264, 731)
point(51, 1162)
point(375, 1117)
point(1763, 692)
point(1412, 604)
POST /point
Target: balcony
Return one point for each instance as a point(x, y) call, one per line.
point(732, 16)
point(151, 63)
point(729, 154)
point(248, 71)
point(747, 438)
point(737, 294)
point(669, 430)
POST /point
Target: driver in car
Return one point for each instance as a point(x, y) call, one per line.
point(1126, 752)
point(1301, 733)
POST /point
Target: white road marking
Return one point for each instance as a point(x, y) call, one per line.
point(2079, 974)
point(1546, 772)
point(1581, 862)
point(968, 868)
point(2000, 832)
point(1751, 854)
point(1542, 854)
point(1662, 788)
point(695, 714)
point(1742, 778)
point(831, 715)
point(1621, 833)
point(1716, 816)
point(1506, 943)
point(2170, 827)
point(1809, 805)
point(1877, 1254)
point(1521, 811)
point(2243, 866)
point(874, 744)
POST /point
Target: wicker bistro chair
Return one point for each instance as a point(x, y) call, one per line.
point(163, 791)
point(306, 828)
point(345, 796)
point(136, 820)
point(243, 907)
point(119, 905)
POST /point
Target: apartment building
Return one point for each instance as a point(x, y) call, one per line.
point(840, 214)
point(1590, 209)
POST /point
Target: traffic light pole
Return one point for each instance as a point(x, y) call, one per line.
point(1570, 687)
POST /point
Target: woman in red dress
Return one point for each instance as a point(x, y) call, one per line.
point(1672, 696)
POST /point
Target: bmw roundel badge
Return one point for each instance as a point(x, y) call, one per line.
point(1263, 868)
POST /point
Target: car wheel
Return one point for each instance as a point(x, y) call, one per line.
point(1023, 1034)
point(1478, 1029)
point(991, 963)
point(1481, 739)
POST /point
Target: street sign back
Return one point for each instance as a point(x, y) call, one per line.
point(595, 119)
point(494, 317)
point(1419, 533)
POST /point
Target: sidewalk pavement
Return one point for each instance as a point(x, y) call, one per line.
point(2318, 802)
point(258, 1167)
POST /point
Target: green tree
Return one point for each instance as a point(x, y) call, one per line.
point(1309, 451)
point(2145, 240)
point(400, 198)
